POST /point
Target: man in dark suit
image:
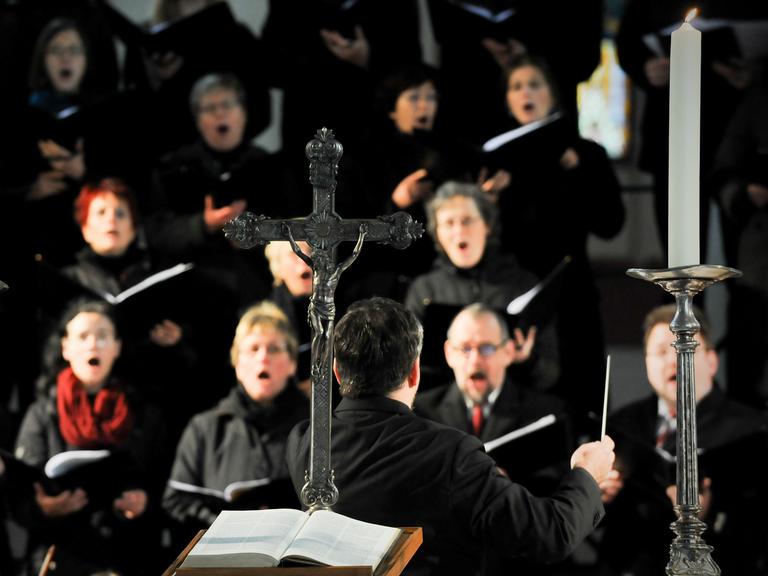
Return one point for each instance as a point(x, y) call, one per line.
point(732, 464)
point(483, 400)
point(394, 468)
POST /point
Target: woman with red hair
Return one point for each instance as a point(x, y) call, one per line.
point(115, 259)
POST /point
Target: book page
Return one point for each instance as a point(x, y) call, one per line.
point(61, 463)
point(247, 538)
point(499, 141)
point(542, 422)
point(150, 281)
point(193, 489)
point(519, 303)
point(236, 489)
point(337, 540)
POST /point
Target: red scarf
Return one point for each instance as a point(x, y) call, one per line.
point(107, 422)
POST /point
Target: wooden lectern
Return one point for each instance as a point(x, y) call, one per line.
point(392, 564)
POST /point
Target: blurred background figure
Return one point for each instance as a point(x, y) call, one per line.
point(723, 82)
point(554, 203)
point(243, 438)
point(199, 188)
point(739, 183)
point(470, 269)
point(291, 290)
point(183, 41)
point(328, 62)
point(641, 491)
point(88, 407)
point(474, 62)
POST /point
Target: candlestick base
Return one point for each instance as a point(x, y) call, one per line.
point(689, 554)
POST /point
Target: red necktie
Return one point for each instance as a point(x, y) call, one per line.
point(477, 418)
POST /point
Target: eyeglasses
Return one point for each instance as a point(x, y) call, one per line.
point(65, 50)
point(484, 350)
point(463, 222)
point(271, 350)
point(224, 106)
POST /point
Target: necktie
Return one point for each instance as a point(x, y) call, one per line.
point(666, 427)
point(477, 418)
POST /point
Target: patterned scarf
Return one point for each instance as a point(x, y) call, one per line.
point(108, 422)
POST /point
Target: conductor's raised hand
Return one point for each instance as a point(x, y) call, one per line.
point(215, 218)
point(596, 458)
point(68, 502)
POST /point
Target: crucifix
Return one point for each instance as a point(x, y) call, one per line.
point(323, 230)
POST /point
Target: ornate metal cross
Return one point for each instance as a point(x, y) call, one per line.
point(323, 230)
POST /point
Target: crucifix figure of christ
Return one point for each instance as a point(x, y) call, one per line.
point(323, 230)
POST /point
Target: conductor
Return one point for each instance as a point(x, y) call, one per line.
point(395, 468)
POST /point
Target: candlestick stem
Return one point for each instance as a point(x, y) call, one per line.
point(689, 554)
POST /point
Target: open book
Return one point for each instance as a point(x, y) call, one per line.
point(262, 538)
point(545, 139)
point(103, 474)
point(538, 306)
point(721, 40)
point(177, 36)
point(526, 451)
point(498, 19)
point(245, 494)
point(142, 305)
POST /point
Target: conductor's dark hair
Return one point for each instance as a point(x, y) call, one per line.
point(214, 82)
point(665, 313)
point(376, 344)
point(38, 73)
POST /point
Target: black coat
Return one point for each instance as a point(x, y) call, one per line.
point(495, 281)
point(225, 445)
point(95, 536)
point(643, 509)
point(394, 468)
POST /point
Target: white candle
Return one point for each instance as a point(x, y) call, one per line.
point(684, 121)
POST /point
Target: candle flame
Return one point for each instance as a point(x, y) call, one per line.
point(692, 13)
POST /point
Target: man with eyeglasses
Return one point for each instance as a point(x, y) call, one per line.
point(394, 468)
point(732, 464)
point(483, 400)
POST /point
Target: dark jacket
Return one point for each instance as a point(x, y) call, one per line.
point(514, 407)
point(95, 536)
point(738, 498)
point(397, 469)
point(495, 281)
point(237, 440)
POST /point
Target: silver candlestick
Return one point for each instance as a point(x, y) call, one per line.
point(689, 554)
